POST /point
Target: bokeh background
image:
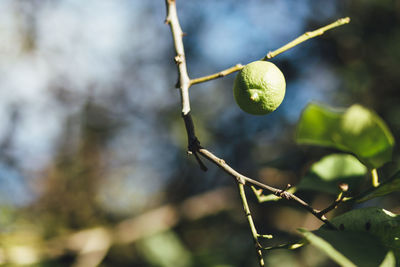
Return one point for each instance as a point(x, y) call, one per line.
point(93, 163)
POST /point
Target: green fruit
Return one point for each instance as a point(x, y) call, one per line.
point(259, 88)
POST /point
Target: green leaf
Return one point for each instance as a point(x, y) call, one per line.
point(377, 222)
point(385, 188)
point(356, 130)
point(331, 170)
point(348, 248)
point(389, 261)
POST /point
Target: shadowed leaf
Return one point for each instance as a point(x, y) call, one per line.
point(377, 222)
point(348, 248)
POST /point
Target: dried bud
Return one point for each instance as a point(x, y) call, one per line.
point(343, 187)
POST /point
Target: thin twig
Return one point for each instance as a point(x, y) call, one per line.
point(294, 245)
point(251, 224)
point(306, 36)
point(302, 38)
point(334, 204)
point(217, 75)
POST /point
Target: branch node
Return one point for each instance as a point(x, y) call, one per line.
point(283, 193)
point(179, 59)
point(241, 180)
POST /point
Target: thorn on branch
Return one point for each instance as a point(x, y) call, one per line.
point(202, 166)
point(265, 236)
point(193, 142)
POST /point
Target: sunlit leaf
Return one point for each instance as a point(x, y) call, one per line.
point(356, 130)
point(348, 248)
point(327, 173)
point(389, 261)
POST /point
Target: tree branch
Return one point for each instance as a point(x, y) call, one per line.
point(217, 75)
point(177, 34)
point(302, 38)
point(339, 199)
point(183, 78)
point(250, 182)
point(306, 36)
point(253, 229)
point(194, 146)
point(193, 141)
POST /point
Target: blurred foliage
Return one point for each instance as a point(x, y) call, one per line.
point(355, 130)
point(93, 167)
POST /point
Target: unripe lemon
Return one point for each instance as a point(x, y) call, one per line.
point(259, 88)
